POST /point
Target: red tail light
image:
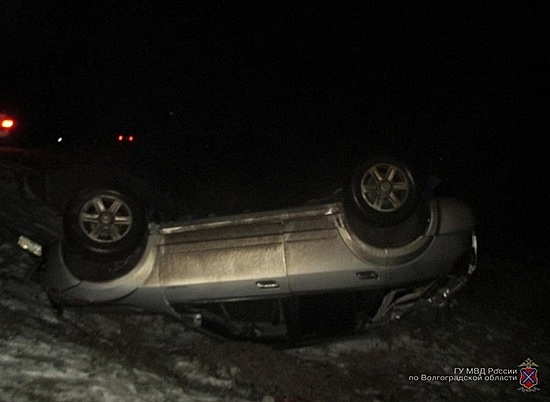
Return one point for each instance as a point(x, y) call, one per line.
point(7, 123)
point(125, 138)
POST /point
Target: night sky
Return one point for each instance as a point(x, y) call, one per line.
point(465, 78)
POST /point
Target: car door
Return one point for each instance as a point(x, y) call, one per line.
point(227, 259)
point(319, 258)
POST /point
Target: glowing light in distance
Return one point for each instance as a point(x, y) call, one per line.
point(7, 123)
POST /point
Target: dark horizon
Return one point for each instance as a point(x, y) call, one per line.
point(231, 65)
point(462, 78)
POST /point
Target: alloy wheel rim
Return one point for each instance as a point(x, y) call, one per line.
point(105, 219)
point(385, 187)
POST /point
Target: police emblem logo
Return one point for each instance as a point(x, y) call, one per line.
point(528, 376)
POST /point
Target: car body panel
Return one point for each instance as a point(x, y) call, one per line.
point(62, 284)
point(225, 268)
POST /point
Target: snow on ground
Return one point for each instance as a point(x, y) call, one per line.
point(48, 357)
point(76, 356)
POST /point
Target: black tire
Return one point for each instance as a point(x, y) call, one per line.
point(383, 191)
point(104, 224)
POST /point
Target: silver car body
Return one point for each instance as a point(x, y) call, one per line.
point(276, 254)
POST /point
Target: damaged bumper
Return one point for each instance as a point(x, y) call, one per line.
point(434, 295)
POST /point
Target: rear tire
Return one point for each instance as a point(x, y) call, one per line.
point(104, 224)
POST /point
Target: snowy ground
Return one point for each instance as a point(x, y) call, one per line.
point(499, 322)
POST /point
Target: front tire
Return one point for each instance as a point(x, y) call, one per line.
point(383, 191)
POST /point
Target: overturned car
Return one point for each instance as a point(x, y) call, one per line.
point(378, 249)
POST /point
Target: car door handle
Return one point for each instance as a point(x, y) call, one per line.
point(367, 275)
point(267, 284)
